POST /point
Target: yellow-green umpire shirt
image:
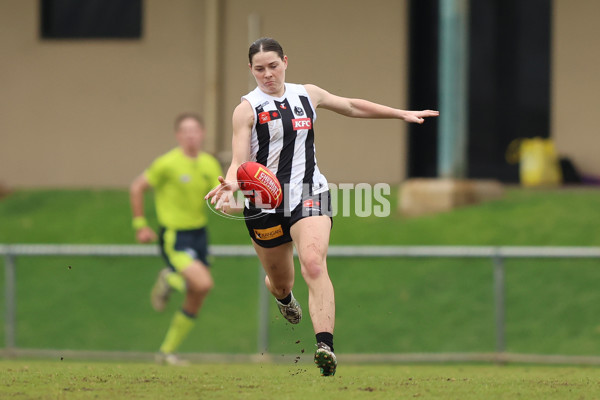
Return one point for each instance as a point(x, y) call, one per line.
point(180, 184)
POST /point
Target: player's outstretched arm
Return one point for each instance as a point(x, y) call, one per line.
point(359, 108)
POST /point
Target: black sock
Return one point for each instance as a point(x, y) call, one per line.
point(325, 337)
point(286, 300)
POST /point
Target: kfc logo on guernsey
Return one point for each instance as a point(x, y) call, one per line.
point(302, 123)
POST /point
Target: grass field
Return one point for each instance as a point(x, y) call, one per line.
point(394, 305)
point(92, 380)
point(524, 217)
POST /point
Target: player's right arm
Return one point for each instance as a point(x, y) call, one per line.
point(143, 232)
point(359, 108)
point(242, 121)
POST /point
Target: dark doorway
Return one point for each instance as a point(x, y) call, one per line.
point(423, 86)
point(509, 82)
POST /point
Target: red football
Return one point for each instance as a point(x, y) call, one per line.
point(259, 185)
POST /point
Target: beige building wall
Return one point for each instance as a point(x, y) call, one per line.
point(576, 82)
point(94, 113)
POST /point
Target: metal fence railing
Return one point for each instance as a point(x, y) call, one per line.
point(496, 254)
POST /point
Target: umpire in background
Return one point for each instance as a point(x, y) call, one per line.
point(180, 179)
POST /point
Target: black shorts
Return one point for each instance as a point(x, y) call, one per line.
point(180, 248)
point(273, 229)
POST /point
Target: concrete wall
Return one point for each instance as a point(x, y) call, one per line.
point(94, 113)
point(576, 82)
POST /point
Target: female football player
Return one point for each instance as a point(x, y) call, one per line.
point(273, 125)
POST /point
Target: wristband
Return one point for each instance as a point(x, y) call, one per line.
point(139, 223)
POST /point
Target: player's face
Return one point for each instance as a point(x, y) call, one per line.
point(269, 71)
point(190, 134)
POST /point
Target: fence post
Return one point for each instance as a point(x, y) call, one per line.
point(263, 313)
point(10, 286)
point(499, 301)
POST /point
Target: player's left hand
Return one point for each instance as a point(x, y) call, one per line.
point(418, 117)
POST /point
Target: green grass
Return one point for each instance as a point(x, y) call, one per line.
point(103, 304)
point(383, 305)
point(91, 380)
point(523, 217)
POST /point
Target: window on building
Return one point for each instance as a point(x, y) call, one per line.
point(91, 19)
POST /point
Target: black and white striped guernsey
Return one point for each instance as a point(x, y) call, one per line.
point(283, 140)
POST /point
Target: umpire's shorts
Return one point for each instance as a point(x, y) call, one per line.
point(180, 248)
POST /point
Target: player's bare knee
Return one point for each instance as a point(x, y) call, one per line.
point(312, 268)
point(200, 285)
point(207, 284)
point(279, 289)
point(281, 293)
point(200, 288)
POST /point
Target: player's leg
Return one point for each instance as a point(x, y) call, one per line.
point(199, 283)
point(168, 280)
point(311, 236)
point(187, 252)
point(273, 244)
point(278, 263)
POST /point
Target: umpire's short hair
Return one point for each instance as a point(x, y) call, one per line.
point(188, 115)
